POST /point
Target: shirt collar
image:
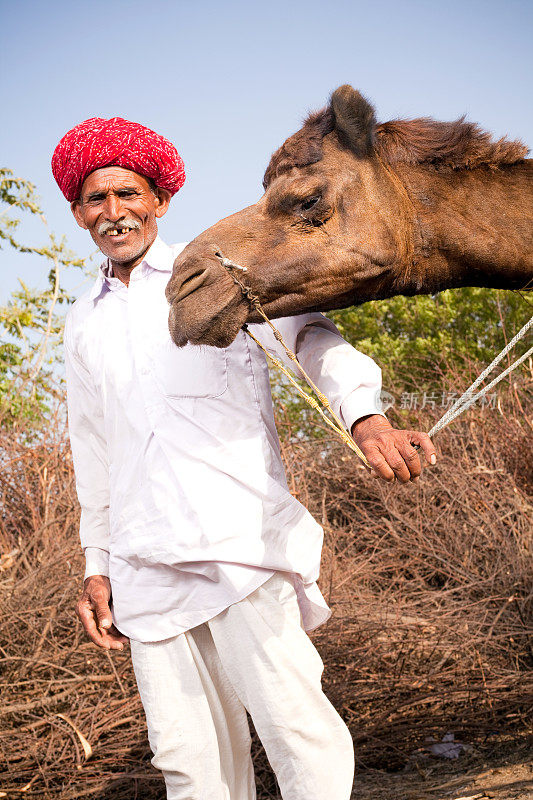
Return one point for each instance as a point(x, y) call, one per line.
point(159, 256)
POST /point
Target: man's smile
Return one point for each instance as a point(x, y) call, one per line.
point(118, 234)
point(118, 231)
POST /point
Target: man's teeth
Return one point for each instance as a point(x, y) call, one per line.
point(118, 231)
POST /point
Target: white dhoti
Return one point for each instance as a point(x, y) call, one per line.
point(254, 656)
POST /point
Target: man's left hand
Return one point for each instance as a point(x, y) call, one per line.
point(390, 452)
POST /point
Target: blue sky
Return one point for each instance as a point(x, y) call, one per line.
point(227, 82)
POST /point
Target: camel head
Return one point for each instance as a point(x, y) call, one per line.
point(298, 234)
point(335, 226)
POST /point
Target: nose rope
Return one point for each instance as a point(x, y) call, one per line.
point(321, 402)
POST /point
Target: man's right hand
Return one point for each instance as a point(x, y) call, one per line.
point(95, 614)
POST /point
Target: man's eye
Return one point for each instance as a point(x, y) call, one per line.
point(308, 204)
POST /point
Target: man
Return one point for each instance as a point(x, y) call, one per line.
point(187, 521)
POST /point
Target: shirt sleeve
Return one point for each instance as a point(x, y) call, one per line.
point(350, 380)
point(89, 453)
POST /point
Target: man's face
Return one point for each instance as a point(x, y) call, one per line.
point(119, 209)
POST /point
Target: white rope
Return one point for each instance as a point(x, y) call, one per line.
point(467, 399)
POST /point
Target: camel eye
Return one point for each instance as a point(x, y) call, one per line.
point(308, 204)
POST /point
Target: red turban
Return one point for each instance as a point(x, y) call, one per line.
point(115, 142)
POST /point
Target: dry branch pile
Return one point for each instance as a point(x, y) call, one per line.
point(430, 586)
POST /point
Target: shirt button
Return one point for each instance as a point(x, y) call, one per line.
point(144, 371)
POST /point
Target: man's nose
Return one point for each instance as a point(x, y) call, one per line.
point(113, 207)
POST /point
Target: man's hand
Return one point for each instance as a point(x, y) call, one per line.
point(95, 614)
point(390, 452)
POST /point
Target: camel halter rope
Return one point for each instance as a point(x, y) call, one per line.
point(321, 403)
point(323, 406)
point(467, 399)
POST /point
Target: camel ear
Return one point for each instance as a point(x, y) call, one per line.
point(355, 119)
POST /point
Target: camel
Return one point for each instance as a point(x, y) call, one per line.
point(356, 211)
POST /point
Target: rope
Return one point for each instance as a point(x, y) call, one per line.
point(335, 422)
point(467, 399)
point(323, 406)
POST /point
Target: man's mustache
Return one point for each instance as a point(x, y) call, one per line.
point(127, 222)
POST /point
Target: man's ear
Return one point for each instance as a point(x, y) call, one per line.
point(162, 203)
point(78, 216)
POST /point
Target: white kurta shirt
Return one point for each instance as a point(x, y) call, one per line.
point(184, 501)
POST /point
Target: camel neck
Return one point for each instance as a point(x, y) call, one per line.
point(472, 227)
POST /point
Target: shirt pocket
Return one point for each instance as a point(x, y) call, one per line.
point(191, 371)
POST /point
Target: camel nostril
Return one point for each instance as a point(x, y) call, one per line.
point(192, 277)
point(190, 283)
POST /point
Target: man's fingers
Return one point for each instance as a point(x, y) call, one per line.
point(103, 612)
point(89, 622)
point(113, 639)
point(98, 596)
point(95, 615)
point(397, 463)
point(423, 441)
point(411, 459)
point(378, 463)
point(109, 639)
point(116, 636)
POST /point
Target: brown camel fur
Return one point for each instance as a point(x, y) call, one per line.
point(356, 211)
